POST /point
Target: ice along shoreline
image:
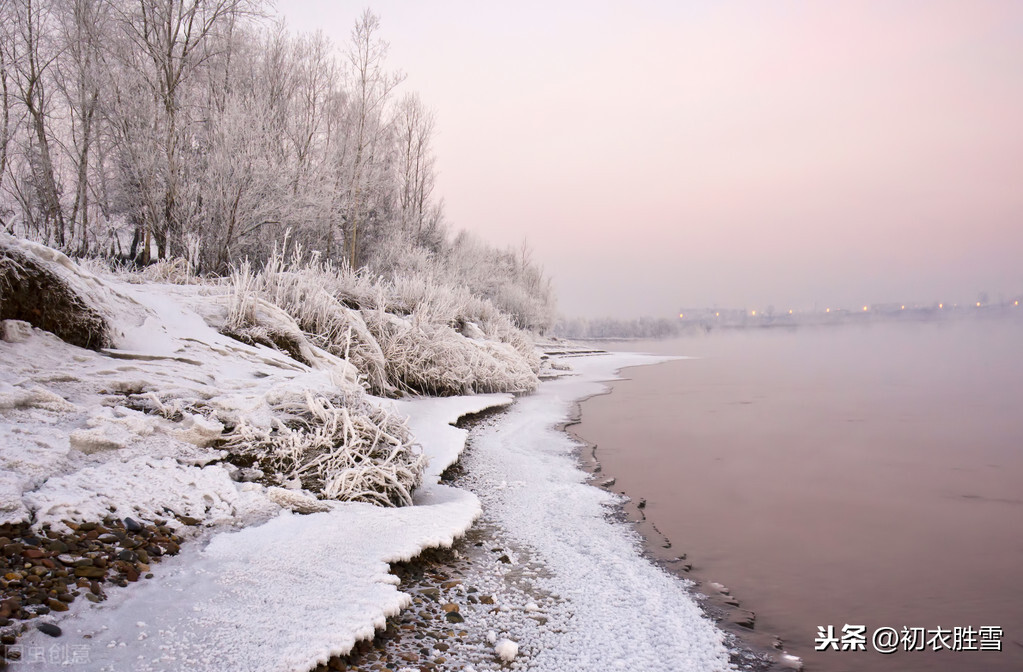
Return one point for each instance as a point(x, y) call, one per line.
point(603, 604)
point(577, 591)
point(750, 649)
point(573, 592)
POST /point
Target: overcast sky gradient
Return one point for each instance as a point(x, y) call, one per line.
point(743, 154)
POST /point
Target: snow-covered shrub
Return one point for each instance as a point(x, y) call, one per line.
point(342, 447)
point(408, 334)
point(320, 298)
point(252, 320)
point(176, 271)
point(507, 278)
point(457, 307)
point(429, 358)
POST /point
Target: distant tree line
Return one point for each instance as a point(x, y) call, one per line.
point(601, 328)
point(145, 130)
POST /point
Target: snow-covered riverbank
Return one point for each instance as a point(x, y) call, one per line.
point(283, 595)
point(290, 592)
point(256, 456)
point(604, 605)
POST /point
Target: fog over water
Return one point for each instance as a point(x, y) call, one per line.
point(662, 154)
point(859, 474)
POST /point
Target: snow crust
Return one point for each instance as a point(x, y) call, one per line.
point(606, 607)
point(283, 595)
point(445, 440)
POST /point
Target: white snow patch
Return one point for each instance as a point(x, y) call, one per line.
point(144, 488)
point(506, 650)
point(12, 510)
point(299, 502)
point(446, 442)
point(285, 595)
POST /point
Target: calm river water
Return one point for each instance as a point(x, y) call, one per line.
point(860, 475)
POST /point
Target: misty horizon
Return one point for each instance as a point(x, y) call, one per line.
point(657, 155)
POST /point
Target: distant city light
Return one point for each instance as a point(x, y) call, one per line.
point(790, 311)
point(719, 314)
point(978, 304)
point(681, 315)
point(903, 308)
point(754, 313)
point(864, 309)
point(1017, 302)
point(941, 305)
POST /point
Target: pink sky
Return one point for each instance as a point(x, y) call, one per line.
point(665, 154)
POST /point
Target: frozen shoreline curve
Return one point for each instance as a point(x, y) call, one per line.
point(292, 592)
point(606, 606)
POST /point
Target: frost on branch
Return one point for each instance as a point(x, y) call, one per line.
point(342, 447)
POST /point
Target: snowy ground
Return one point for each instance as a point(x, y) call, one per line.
point(603, 606)
point(286, 594)
point(283, 595)
point(276, 578)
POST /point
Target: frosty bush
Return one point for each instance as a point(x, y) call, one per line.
point(342, 447)
point(318, 296)
point(433, 359)
point(404, 335)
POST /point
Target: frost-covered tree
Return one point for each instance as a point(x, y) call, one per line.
point(363, 159)
point(202, 129)
point(31, 47)
point(79, 76)
point(166, 45)
point(414, 128)
point(5, 120)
